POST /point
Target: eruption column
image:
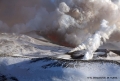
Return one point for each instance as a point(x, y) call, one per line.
point(92, 43)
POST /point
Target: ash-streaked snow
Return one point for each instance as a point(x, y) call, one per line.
point(23, 45)
point(47, 69)
point(30, 59)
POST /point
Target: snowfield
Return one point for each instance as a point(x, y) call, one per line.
point(30, 59)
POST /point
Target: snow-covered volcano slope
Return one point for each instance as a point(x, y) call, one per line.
point(24, 58)
point(48, 69)
point(23, 45)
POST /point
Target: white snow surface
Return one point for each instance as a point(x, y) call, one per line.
point(18, 54)
point(26, 46)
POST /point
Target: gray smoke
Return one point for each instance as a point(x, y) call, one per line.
point(72, 20)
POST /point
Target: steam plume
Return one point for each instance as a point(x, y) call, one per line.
point(93, 42)
point(70, 21)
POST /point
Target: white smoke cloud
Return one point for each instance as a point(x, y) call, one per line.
point(72, 20)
